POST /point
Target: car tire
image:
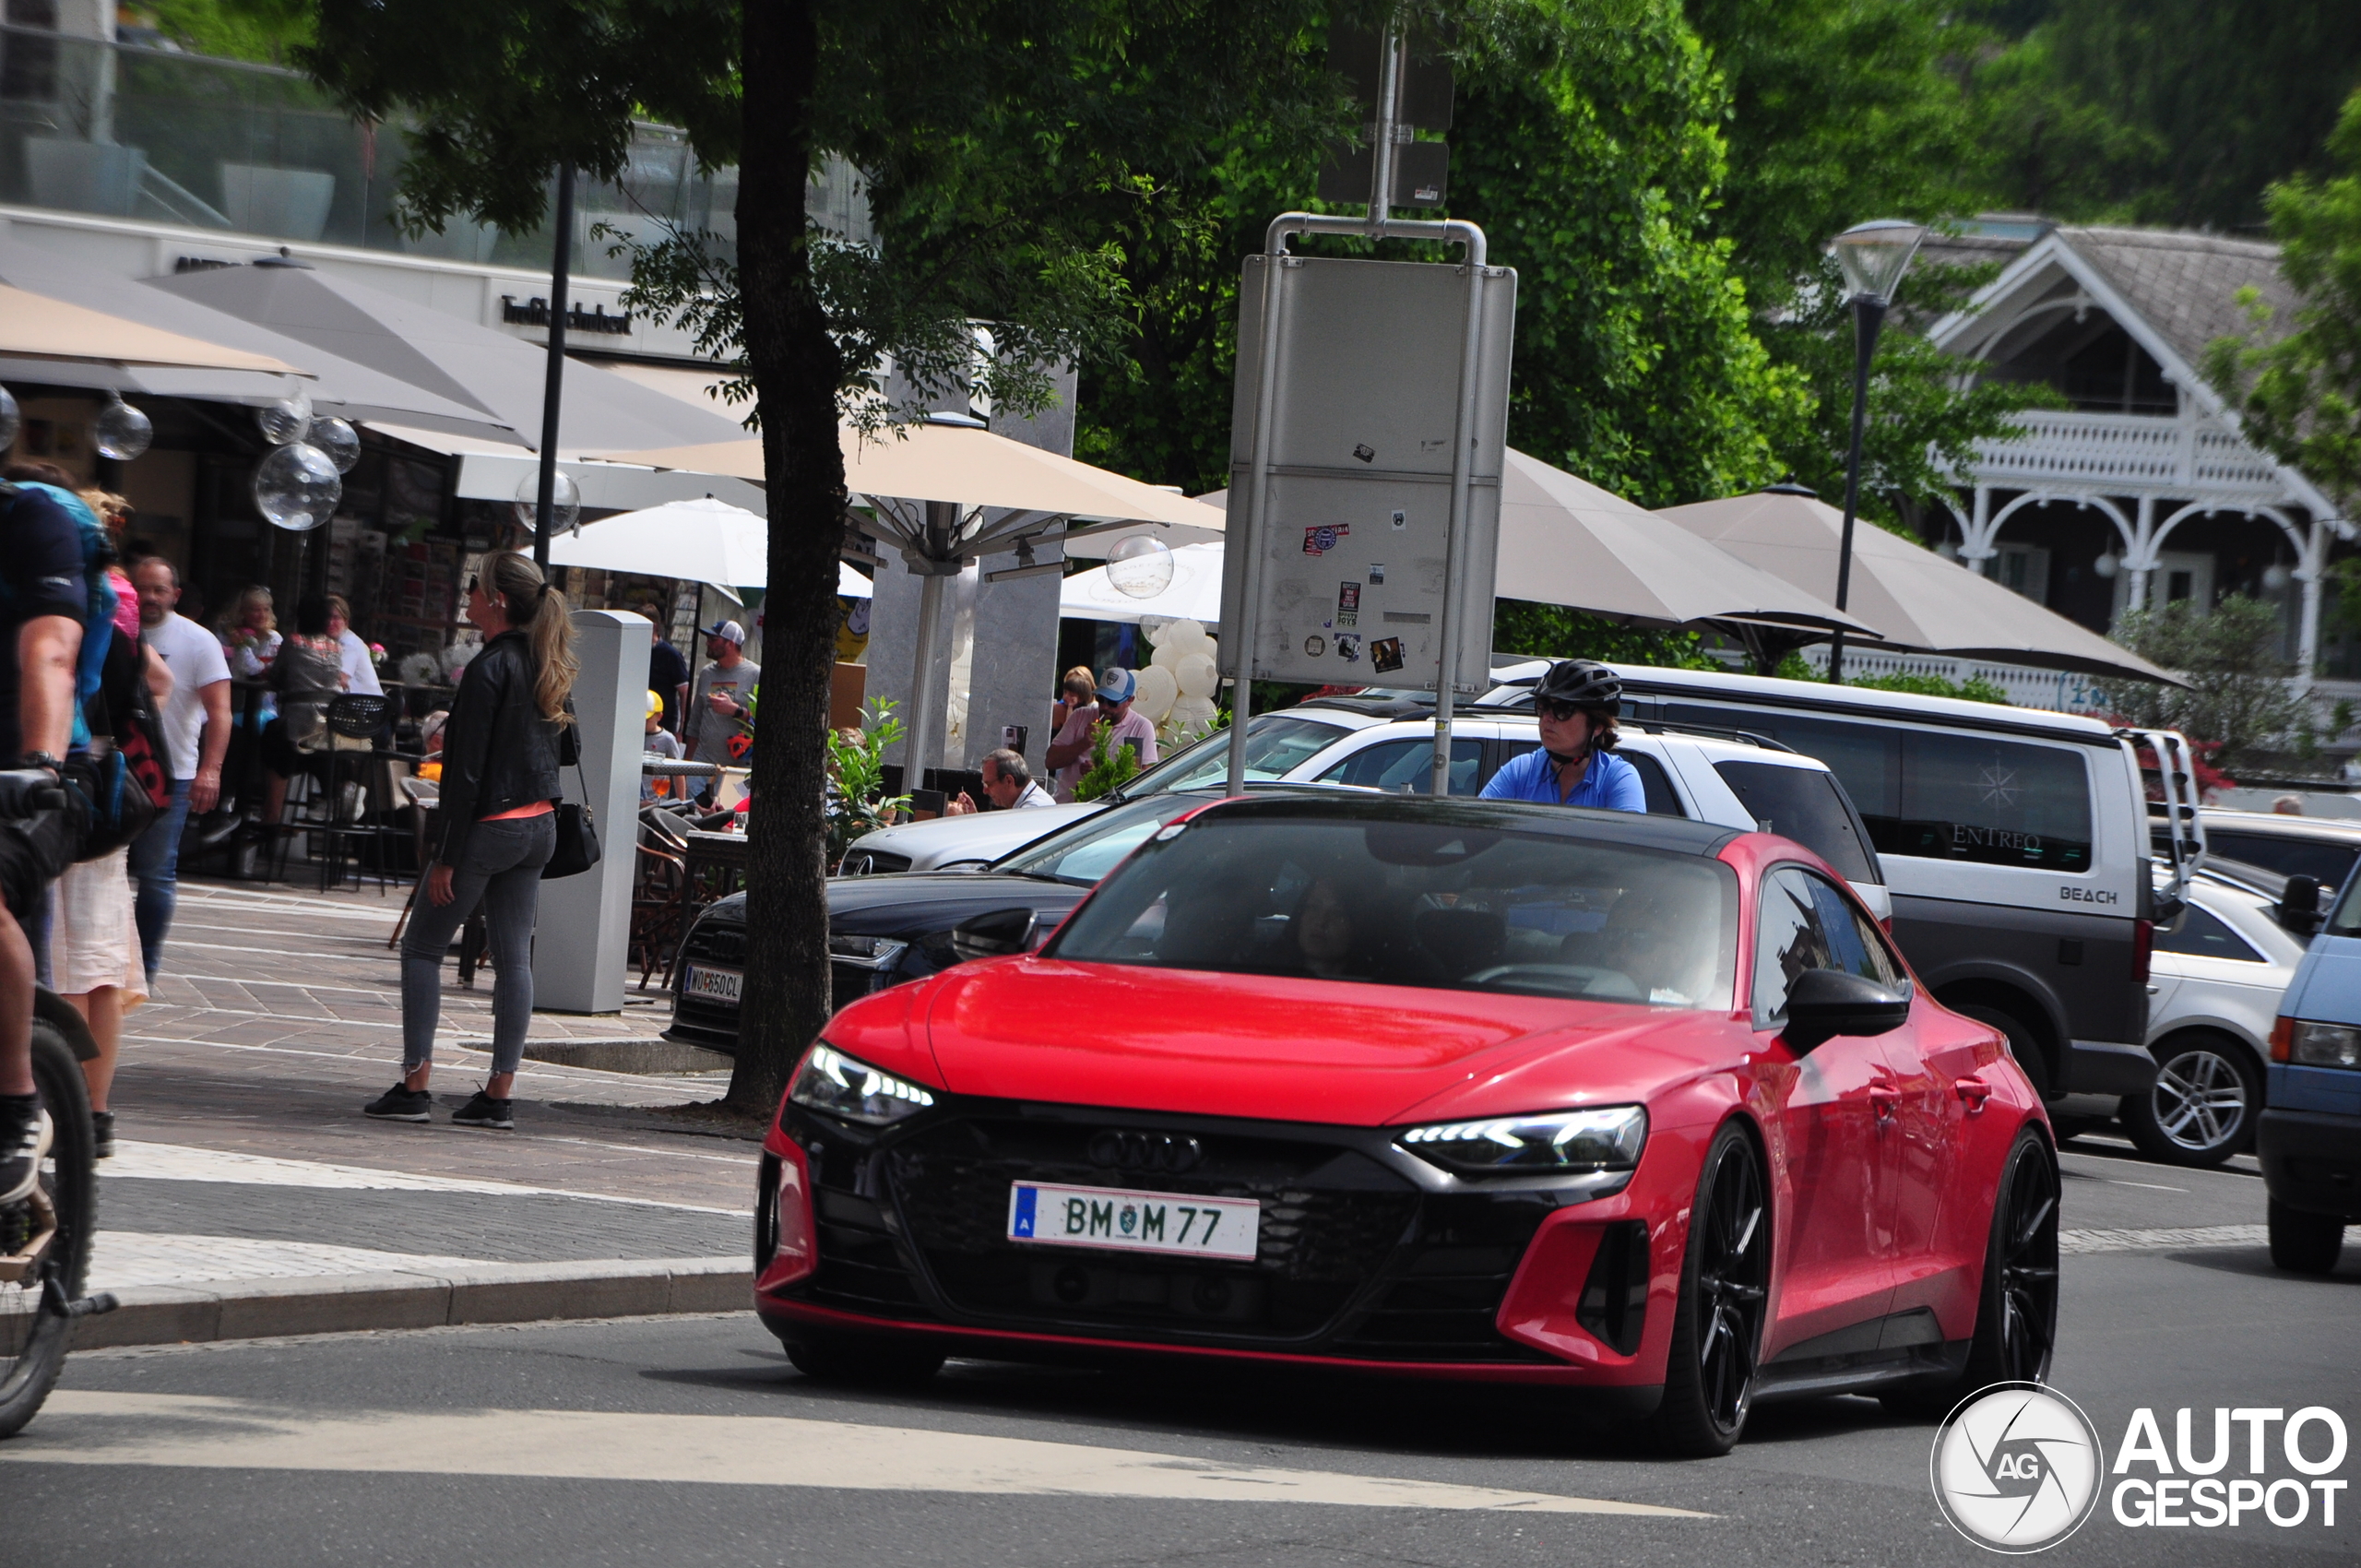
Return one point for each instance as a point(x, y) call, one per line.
point(2016, 1306)
point(866, 1363)
point(1717, 1349)
point(2303, 1243)
point(2202, 1110)
point(2023, 1045)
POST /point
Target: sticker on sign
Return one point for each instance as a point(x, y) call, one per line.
point(1131, 1221)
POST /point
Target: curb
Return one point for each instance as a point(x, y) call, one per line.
point(485, 1293)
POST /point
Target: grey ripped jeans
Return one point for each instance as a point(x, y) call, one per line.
point(500, 867)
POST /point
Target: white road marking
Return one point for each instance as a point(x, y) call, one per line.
point(2158, 1241)
point(87, 1427)
point(181, 1162)
point(2151, 1186)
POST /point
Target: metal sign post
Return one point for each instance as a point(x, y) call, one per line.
point(1345, 430)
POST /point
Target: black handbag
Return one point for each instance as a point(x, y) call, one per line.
point(577, 826)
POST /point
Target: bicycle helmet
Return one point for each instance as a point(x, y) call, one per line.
point(1584, 682)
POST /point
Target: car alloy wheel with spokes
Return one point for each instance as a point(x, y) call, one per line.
point(2202, 1111)
point(2025, 1233)
point(1717, 1329)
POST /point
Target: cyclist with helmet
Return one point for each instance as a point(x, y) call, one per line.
point(1576, 765)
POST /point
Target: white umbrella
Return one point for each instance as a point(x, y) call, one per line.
point(703, 541)
point(1195, 593)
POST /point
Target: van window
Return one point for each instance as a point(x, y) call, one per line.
point(1408, 766)
point(1662, 800)
point(1937, 795)
point(1802, 803)
point(2324, 861)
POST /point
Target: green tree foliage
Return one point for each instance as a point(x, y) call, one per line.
point(1552, 631)
point(2238, 697)
point(995, 137)
point(2170, 112)
point(267, 31)
point(1976, 688)
point(2299, 389)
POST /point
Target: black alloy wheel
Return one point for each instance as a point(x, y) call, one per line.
point(1717, 1327)
point(2202, 1110)
point(2016, 1315)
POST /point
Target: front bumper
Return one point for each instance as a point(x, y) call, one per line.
point(2109, 1067)
point(1369, 1259)
point(2311, 1160)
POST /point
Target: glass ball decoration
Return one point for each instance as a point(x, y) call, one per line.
point(565, 502)
point(1140, 566)
point(338, 440)
point(122, 431)
point(285, 421)
point(8, 420)
point(297, 487)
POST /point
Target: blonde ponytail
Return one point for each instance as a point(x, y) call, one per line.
point(535, 608)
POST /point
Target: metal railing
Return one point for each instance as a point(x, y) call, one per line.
point(2127, 454)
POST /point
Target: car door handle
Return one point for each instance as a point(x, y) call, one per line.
point(1884, 1102)
point(1972, 1093)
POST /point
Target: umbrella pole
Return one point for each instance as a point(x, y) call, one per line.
point(560, 285)
point(1869, 314)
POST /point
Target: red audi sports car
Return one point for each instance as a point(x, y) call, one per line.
point(1633, 1107)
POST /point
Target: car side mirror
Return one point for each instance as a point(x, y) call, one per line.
point(1823, 1004)
point(2299, 906)
point(995, 935)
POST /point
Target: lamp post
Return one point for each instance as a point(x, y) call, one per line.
point(1873, 258)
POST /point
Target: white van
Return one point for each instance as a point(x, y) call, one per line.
point(2014, 842)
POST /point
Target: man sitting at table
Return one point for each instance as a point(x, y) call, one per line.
point(1008, 780)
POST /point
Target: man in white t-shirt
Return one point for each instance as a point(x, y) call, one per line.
point(360, 669)
point(1070, 753)
point(196, 736)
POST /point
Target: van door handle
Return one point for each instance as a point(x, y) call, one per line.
point(1972, 1093)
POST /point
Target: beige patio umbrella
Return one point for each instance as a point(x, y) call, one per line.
point(34, 326)
point(958, 464)
point(1917, 599)
point(1564, 540)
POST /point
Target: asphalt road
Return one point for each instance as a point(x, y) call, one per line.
point(692, 1440)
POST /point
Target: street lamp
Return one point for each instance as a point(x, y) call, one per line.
point(1874, 257)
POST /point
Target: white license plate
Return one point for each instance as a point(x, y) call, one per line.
point(717, 985)
point(1134, 1222)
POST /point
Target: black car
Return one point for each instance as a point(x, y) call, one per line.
point(888, 928)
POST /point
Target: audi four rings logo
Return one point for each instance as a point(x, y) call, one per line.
point(1168, 1152)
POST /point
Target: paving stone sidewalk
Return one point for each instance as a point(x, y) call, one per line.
point(245, 1161)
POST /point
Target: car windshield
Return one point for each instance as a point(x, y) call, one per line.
point(1277, 744)
point(1419, 903)
point(1088, 849)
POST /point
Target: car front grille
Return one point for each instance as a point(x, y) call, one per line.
point(717, 941)
point(1352, 1260)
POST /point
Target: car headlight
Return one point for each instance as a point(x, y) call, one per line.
point(1607, 1138)
point(867, 952)
point(2325, 1045)
point(839, 1085)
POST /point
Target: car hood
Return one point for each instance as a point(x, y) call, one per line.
point(880, 906)
point(1198, 1043)
point(984, 836)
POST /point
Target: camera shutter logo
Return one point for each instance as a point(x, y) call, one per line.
point(2017, 1467)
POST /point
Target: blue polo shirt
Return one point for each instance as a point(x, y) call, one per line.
point(1610, 783)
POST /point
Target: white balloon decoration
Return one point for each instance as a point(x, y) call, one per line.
point(1196, 674)
point(1140, 566)
point(1156, 693)
point(122, 431)
point(297, 487)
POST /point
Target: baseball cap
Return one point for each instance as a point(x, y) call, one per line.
point(727, 629)
point(1117, 684)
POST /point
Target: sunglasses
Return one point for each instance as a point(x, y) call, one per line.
point(1559, 711)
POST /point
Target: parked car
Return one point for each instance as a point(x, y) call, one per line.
point(968, 842)
point(2322, 848)
point(1709, 774)
point(2221, 965)
point(2308, 1138)
point(2015, 842)
point(1643, 1111)
point(885, 929)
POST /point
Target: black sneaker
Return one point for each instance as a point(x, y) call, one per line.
point(102, 1130)
point(400, 1104)
point(24, 1139)
point(484, 1111)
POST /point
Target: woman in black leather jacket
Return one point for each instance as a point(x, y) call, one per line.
point(501, 752)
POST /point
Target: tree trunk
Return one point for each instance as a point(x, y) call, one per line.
point(795, 367)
